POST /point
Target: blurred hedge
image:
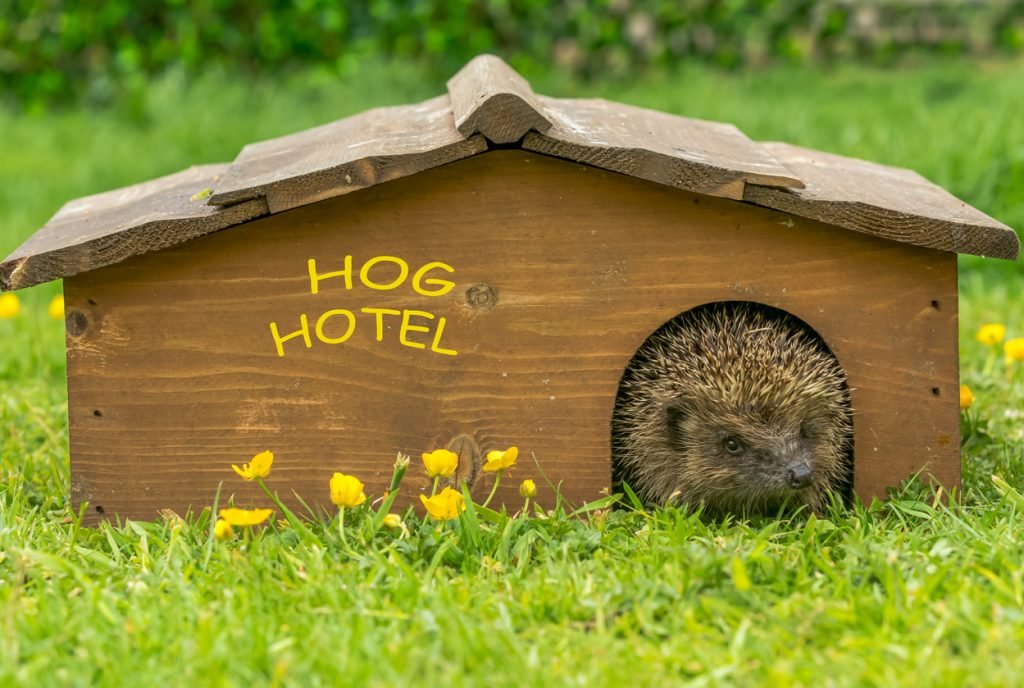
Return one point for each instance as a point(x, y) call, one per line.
point(66, 50)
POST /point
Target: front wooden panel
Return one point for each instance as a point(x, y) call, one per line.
point(560, 271)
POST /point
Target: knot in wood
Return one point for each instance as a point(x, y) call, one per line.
point(76, 322)
point(482, 297)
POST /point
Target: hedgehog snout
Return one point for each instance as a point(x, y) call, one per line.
point(799, 476)
point(794, 461)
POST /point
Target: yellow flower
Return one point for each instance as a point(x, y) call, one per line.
point(445, 505)
point(966, 398)
point(991, 333)
point(528, 489)
point(244, 517)
point(222, 530)
point(392, 521)
point(1014, 349)
point(499, 460)
point(259, 467)
point(440, 463)
point(56, 308)
point(346, 490)
point(10, 306)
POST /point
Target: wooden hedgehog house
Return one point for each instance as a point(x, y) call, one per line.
point(476, 271)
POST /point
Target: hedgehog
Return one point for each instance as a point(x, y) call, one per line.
point(734, 407)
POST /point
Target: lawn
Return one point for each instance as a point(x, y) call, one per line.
point(909, 592)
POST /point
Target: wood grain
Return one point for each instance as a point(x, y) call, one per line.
point(490, 98)
point(106, 228)
point(695, 155)
point(889, 202)
point(354, 153)
point(561, 272)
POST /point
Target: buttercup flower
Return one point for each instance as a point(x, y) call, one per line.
point(440, 463)
point(346, 490)
point(222, 529)
point(10, 306)
point(991, 333)
point(528, 489)
point(244, 517)
point(56, 308)
point(966, 398)
point(1014, 349)
point(392, 521)
point(445, 505)
point(498, 460)
point(259, 467)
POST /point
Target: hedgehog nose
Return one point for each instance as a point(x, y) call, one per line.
point(799, 476)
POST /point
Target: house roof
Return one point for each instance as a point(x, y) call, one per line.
point(489, 104)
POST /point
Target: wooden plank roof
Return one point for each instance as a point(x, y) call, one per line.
point(706, 157)
point(106, 228)
point(353, 153)
point(487, 104)
point(889, 202)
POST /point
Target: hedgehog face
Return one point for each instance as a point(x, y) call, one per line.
point(747, 458)
point(736, 407)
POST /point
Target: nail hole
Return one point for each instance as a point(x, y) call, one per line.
point(99, 510)
point(935, 304)
point(935, 391)
point(91, 302)
point(98, 413)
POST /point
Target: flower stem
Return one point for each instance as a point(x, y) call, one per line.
point(494, 488)
point(277, 502)
point(273, 497)
point(341, 524)
point(993, 354)
point(401, 465)
point(292, 518)
point(437, 480)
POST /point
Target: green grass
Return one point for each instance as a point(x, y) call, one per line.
point(905, 593)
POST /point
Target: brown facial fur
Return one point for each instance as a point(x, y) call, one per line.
point(737, 407)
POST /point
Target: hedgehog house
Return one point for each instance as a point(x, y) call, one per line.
point(476, 271)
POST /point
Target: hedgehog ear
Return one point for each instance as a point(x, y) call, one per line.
point(675, 413)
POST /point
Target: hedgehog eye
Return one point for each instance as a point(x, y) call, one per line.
point(733, 445)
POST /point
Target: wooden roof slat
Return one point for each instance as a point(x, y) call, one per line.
point(106, 228)
point(696, 155)
point(491, 98)
point(889, 202)
point(352, 153)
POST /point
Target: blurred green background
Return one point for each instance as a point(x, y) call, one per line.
point(52, 50)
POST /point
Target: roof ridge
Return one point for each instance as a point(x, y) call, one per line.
point(490, 98)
